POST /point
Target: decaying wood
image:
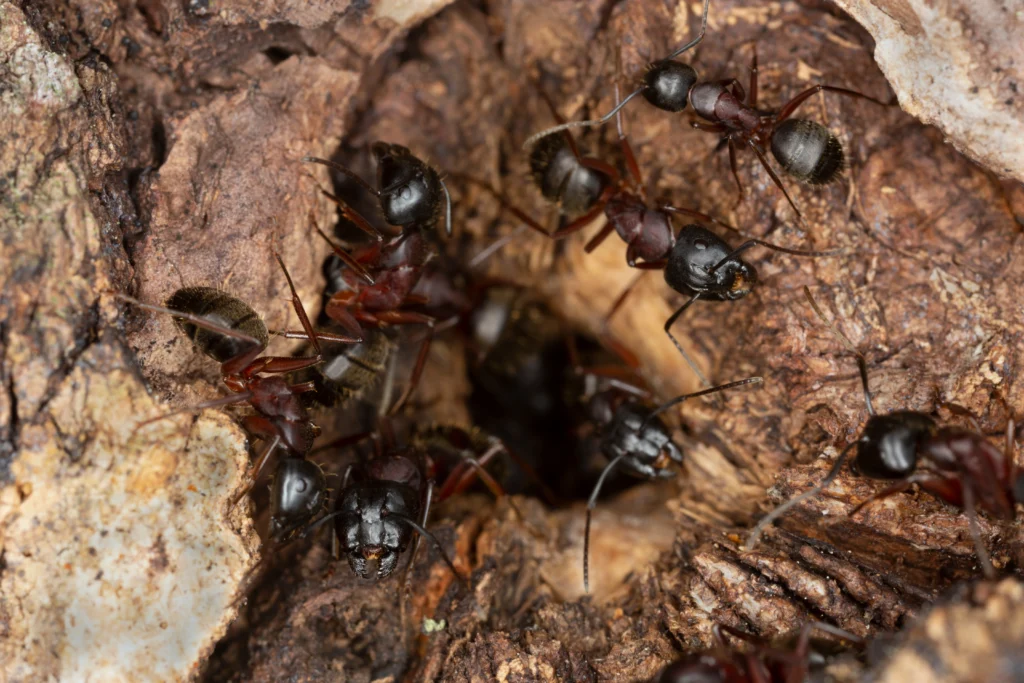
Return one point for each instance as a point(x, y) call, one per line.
point(174, 159)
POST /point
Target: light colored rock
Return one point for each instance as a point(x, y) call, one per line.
point(957, 64)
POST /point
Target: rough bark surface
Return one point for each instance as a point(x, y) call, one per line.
point(154, 144)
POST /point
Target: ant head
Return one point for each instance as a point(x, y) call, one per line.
point(645, 442)
point(667, 85)
point(697, 263)
point(219, 309)
point(410, 191)
point(371, 526)
point(889, 446)
point(701, 668)
point(808, 151)
point(298, 493)
point(561, 177)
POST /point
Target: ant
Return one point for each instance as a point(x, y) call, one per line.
point(955, 465)
point(378, 285)
point(232, 333)
point(695, 261)
point(764, 664)
point(804, 149)
point(383, 500)
point(633, 436)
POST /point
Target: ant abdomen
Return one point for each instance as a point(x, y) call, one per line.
point(808, 151)
point(357, 367)
point(667, 85)
point(220, 309)
point(562, 178)
point(410, 190)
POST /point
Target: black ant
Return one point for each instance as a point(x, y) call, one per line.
point(377, 288)
point(634, 437)
point(765, 663)
point(695, 261)
point(383, 500)
point(232, 333)
point(955, 465)
point(805, 149)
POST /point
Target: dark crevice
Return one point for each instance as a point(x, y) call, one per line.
point(9, 443)
point(86, 335)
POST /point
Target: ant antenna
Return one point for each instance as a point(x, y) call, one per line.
point(767, 520)
point(680, 399)
point(437, 544)
point(591, 504)
point(447, 209)
point(618, 107)
point(761, 243)
point(861, 363)
point(346, 171)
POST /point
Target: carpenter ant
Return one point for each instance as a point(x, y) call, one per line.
point(377, 287)
point(804, 149)
point(955, 465)
point(232, 333)
point(764, 664)
point(696, 262)
point(384, 500)
point(409, 190)
point(635, 438)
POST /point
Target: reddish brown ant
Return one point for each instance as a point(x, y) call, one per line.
point(764, 664)
point(232, 333)
point(955, 465)
point(377, 288)
point(634, 436)
point(805, 149)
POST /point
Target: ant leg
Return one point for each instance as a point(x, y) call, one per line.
point(1010, 450)
point(679, 347)
point(708, 127)
point(345, 171)
point(344, 256)
point(704, 392)
point(344, 442)
point(861, 363)
point(957, 409)
point(695, 41)
point(773, 176)
point(761, 243)
point(898, 487)
point(627, 149)
point(199, 407)
point(791, 106)
point(600, 237)
point(196, 320)
point(768, 519)
point(410, 318)
point(503, 201)
point(752, 103)
point(421, 528)
point(253, 475)
point(584, 220)
point(354, 216)
point(338, 308)
point(972, 523)
point(591, 504)
point(719, 629)
point(321, 336)
point(300, 310)
point(699, 216)
point(734, 167)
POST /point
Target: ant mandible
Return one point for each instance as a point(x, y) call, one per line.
point(955, 465)
point(232, 333)
point(380, 279)
point(804, 149)
point(764, 664)
point(634, 437)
